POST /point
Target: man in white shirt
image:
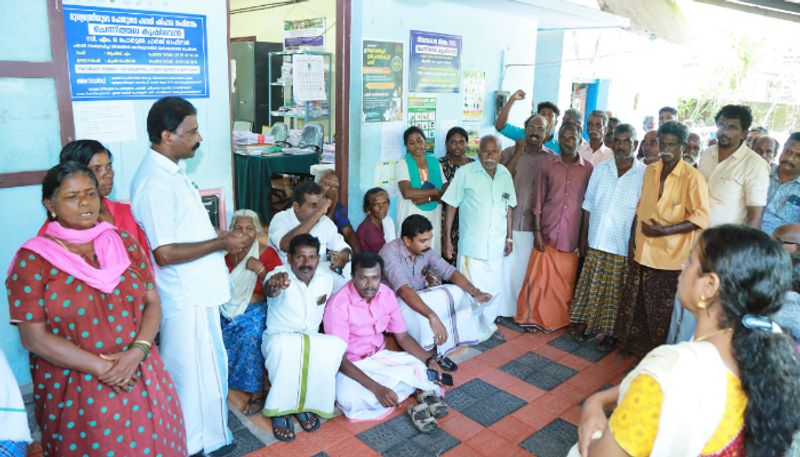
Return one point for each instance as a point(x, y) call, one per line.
point(594, 150)
point(190, 272)
point(308, 215)
point(301, 363)
point(738, 179)
point(609, 209)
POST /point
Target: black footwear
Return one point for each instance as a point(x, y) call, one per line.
point(446, 363)
point(224, 451)
point(606, 344)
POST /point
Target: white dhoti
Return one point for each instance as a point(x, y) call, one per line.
point(455, 309)
point(295, 361)
point(513, 273)
point(486, 275)
point(194, 355)
point(399, 371)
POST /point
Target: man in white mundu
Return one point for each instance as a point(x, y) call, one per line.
point(374, 380)
point(301, 363)
point(483, 192)
point(439, 318)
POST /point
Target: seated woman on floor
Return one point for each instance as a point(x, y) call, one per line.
point(83, 299)
point(732, 391)
point(377, 228)
point(98, 158)
point(244, 318)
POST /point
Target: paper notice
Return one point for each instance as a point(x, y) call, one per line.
point(385, 178)
point(308, 81)
point(392, 147)
point(105, 121)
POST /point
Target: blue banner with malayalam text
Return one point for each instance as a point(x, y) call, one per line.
point(434, 62)
point(117, 54)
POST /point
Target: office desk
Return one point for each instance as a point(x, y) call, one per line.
point(253, 178)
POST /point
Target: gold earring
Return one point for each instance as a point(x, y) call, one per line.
point(702, 304)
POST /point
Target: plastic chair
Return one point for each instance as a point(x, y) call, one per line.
point(279, 133)
point(312, 137)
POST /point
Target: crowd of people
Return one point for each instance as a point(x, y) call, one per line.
point(144, 323)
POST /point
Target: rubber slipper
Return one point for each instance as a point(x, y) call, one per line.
point(436, 405)
point(254, 405)
point(305, 418)
point(422, 419)
point(282, 422)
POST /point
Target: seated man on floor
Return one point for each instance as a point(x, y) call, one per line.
point(442, 317)
point(308, 215)
point(374, 380)
point(301, 363)
point(336, 212)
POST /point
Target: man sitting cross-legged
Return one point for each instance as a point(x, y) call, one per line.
point(445, 316)
point(301, 363)
point(374, 380)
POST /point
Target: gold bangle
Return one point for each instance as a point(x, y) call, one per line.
point(146, 343)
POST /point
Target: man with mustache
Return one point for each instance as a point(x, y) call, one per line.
point(483, 193)
point(692, 152)
point(190, 272)
point(609, 208)
point(439, 318)
point(301, 362)
point(608, 135)
point(543, 302)
point(594, 150)
point(374, 380)
point(766, 147)
point(738, 179)
point(672, 209)
point(522, 161)
point(783, 198)
point(548, 110)
point(667, 114)
point(649, 148)
point(308, 214)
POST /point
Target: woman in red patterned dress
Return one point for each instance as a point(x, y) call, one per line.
point(82, 297)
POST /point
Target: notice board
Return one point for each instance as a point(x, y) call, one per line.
point(118, 54)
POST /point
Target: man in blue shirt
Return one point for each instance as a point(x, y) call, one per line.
point(483, 192)
point(547, 109)
point(783, 196)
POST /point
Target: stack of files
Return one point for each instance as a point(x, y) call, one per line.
point(328, 153)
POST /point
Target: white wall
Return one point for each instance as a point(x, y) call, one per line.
point(492, 33)
point(211, 167)
point(645, 75)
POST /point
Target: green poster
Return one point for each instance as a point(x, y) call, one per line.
point(382, 86)
point(422, 113)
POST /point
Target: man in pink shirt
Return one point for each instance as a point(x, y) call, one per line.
point(372, 379)
point(543, 303)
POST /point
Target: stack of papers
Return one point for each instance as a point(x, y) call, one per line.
point(299, 151)
point(243, 138)
point(328, 153)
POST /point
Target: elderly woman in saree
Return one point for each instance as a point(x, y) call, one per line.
point(735, 388)
point(83, 299)
point(244, 318)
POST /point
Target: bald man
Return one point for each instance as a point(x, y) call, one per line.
point(789, 235)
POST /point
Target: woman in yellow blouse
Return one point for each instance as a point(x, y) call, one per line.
point(732, 391)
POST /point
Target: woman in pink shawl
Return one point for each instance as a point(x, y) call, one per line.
point(98, 158)
point(83, 299)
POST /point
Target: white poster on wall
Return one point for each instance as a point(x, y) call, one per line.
point(308, 81)
point(105, 121)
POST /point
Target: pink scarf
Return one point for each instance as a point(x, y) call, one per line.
point(108, 246)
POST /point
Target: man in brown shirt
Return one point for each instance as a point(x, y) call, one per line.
point(522, 160)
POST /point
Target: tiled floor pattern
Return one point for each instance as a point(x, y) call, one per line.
point(519, 395)
point(515, 395)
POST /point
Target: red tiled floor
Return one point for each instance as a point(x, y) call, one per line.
point(337, 437)
point(459, 425)
point(489, 443)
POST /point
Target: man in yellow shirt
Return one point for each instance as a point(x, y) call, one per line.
point(672, 209)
